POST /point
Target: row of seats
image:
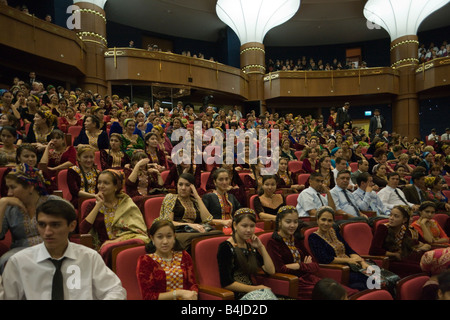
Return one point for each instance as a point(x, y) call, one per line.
point(204, 252)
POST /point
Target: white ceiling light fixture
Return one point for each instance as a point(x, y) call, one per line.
point(401, 17)
point(252, 19)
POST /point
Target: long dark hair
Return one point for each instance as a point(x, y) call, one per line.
point(264, 179)
point(156, 225)
point(390, 243)
point(282, 212)
point(246, 260)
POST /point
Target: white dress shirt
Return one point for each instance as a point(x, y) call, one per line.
point(309, 199)
point(390, 198)
point(28, 275)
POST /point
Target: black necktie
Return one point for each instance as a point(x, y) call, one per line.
point(320, 198)
point(57, 284)
point(398, 194)
point(350, 202)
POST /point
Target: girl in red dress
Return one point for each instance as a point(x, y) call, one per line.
point(166, 272)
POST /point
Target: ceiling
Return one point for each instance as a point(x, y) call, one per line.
point(317, 22)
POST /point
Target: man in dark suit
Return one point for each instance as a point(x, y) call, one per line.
point(343, 117)
point(376, 122)
point(416, 193)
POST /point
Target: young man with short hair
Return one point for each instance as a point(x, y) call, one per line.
point(58, 269)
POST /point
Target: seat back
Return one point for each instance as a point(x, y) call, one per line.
point(447, 192)
point(62, 184)
point(74, 131)
point(303, 178)
point(372, 295)
point(251, 202)
point(358, 235)
point(306, 234)
point(97, 161)
point(298, 154)
point(410, 288)
point(377, 223)
point(295, 166)
point(265, 237)
point(125, 268)
point(152, 209)
point(164, 175)
point(291, 199)
point(86, 207)
point(204, 256)
point(354, 166)
point(204, 179)
point(441, 219)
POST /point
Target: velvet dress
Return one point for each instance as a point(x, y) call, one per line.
point(405, 267)
point(156, 275)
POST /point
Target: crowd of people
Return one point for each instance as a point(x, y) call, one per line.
point(432, 52)
point(303, 64)
point(121, 153)
point(186, 53)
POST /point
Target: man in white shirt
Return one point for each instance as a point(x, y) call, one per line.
point(366, 197)
point(446, 136)
point(311, 199)
point(58, 269)
point(433, 136)
point(344, 200)
point(392, 196)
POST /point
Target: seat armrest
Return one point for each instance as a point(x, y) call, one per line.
point(221, 293)
point(85, 239)
point(272, 281)
point(344, 269)
point(384, 260)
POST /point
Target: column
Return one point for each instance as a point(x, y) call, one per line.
point(251, 20)
point(93, 34)
point(401, 19)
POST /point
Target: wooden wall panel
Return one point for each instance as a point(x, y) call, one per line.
point(167, 68)
point(34, 36)
point(435, 73)
point(331, 83)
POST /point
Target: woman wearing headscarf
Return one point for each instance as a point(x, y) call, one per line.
point(26, 191)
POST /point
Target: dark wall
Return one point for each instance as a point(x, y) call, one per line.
point(375, 53)
point(434, 113)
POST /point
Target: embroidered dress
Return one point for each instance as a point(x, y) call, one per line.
point(173, 270)
point(436, 231)
point(41, 137)
point(93, 140)
point(154, 158)
point(109, 219)
point(333, 241)
point(290, 243)
point(225, 205)
point(116, 159)
point(91, 178)
point(286, 179)
point(190, 214)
